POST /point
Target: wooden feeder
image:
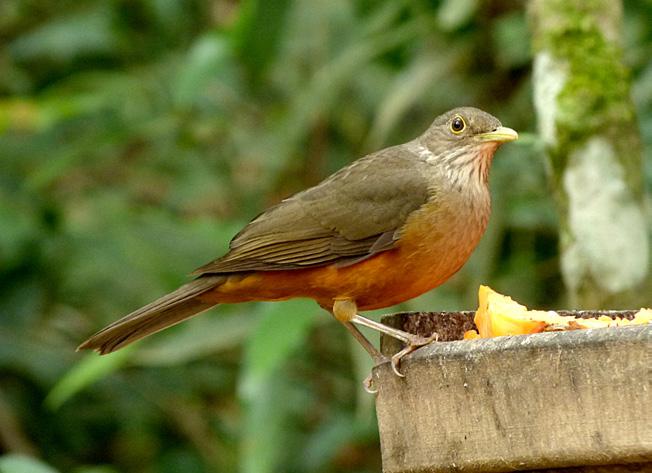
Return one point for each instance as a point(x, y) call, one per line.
point(574, 401)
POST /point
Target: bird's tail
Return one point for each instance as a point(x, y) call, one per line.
point(162, 313)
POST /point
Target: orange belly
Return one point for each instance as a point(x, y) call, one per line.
point(430, 250)
point(380, 281)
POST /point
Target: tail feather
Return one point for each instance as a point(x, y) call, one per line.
point(162, 313)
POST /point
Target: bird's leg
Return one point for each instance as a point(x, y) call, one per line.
point(345, 310)
point(366, 344)
point(378, 358)
point(411, 340)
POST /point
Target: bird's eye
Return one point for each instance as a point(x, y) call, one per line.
point(458, 125)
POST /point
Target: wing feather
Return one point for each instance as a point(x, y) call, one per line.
point(357, 212)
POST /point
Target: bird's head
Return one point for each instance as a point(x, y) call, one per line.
point(464, 140)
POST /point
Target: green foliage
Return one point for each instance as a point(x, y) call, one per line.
point(137, 137)
point(279, 333)
point(13, 463)
point(88, 370)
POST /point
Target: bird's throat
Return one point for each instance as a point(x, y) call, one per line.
point(469, 172)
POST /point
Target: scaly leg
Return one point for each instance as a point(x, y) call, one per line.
point(366, 344)
point(373, 352)
point(342, 312)
point(345, 310)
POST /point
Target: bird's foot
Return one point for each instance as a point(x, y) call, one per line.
point(414, 342)
point(411, 340)
point(345, 310)
point(368, 384)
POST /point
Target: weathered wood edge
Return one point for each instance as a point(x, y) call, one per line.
point(450, 326)
point(547, 400)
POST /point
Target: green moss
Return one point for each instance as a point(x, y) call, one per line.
point(596, 92)
point(595, 98)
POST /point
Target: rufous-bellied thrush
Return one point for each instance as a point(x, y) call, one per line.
point(384, 229)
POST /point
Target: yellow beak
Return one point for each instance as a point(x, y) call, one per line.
point(502, 134)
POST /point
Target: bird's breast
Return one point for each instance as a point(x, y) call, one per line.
point(439, 238)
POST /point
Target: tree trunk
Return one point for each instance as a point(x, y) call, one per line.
point(588, 124)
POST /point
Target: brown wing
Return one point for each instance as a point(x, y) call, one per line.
point(353, 214)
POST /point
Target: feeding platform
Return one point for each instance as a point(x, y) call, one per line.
point(572, 401)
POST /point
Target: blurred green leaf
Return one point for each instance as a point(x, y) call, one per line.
point(263, 387)
point(96, 469)
point(209, 62)
point(258, 33)
point(265, 430)
point(318, 95)
point(282, 329)
point(15, 463)
point(197, 338)
point(68, 36)
point(332, 435)
point(454, 14)
point(20, 229)
point(509, 33)
point(408, 89)
point(90, 369)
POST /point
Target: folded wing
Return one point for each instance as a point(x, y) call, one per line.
point(357, 212)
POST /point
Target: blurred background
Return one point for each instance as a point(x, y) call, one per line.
point(136, 138)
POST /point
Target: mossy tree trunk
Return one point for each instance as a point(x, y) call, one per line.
point(587, 121)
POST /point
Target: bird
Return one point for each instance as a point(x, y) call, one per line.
point(388, 227)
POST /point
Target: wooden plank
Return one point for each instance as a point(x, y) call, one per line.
point(542, 401)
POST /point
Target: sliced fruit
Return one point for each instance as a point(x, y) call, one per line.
point(499, 315)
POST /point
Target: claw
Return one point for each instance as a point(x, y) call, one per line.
point(396, 361)
point(414, 343)
point(344, 310)
point(368, 384)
